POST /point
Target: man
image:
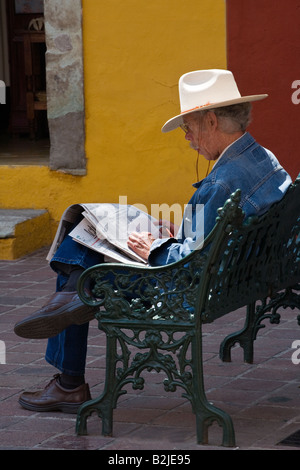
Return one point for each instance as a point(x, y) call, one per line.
point(214, 117)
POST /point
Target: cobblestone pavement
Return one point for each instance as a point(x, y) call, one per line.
point(263, 398)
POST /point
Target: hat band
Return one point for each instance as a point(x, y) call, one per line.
point(196, 107)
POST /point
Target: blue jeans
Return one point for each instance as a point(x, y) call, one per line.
point(67, 351)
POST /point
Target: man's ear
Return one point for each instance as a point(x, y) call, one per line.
point(212, 120)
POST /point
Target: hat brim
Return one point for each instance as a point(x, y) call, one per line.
point(177, 121)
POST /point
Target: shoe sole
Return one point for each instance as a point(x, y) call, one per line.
point(49, 325)
point(63, 407)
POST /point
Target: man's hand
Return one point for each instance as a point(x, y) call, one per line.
point(141, 243)
point(167, 229)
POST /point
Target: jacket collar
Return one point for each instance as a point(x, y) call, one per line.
point(236, 148)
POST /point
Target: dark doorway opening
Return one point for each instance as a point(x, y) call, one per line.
point(24, 133)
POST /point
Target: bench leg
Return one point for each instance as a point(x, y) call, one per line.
point(104, 404)
point(205, 412)
point(177, 375)
point(205, 417)
point(245, 337)
point(256, 314)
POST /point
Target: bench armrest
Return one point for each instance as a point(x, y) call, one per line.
point(144, 293)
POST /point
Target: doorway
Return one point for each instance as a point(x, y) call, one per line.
point(64, 119)
point(24, 133)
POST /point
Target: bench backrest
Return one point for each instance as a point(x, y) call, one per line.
point(256, 258)
point(240, 262)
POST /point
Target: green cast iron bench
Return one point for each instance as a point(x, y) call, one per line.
point(252, 262)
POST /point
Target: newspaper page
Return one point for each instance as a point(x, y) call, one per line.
point(85, 233)
point(113, 224)
point(68, 219)
point(105, 228)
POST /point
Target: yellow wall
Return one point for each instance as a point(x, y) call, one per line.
point(134, 53)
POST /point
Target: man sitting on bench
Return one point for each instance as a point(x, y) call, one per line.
point(214, 117)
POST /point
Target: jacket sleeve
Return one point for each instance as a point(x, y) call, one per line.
point(211, 197)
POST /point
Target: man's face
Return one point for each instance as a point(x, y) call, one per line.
point(192, 128)
point(200, 134)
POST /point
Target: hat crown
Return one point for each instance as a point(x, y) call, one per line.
point(205, 87)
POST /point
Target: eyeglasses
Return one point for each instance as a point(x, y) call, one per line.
point(198, 120)
point(185, 128)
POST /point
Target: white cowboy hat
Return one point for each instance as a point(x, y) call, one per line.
point(207, 89)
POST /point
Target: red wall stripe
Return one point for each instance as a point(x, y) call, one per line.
point(263, 52)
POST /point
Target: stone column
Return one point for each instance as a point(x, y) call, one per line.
point(65, 85)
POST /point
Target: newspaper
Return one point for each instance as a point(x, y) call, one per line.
point(105, 228)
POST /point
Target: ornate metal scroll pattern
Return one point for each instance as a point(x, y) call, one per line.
point(159, 349)
point(268, 308)
point(153, 341)
point(135, 293)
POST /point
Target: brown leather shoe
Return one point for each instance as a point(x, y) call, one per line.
point(62, 310)
point(56, 398)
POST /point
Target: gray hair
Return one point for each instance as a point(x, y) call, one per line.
point(234, 118)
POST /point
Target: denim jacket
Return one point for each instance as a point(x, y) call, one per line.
point(245, 165)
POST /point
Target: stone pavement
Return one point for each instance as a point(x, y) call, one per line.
point(263, 398)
